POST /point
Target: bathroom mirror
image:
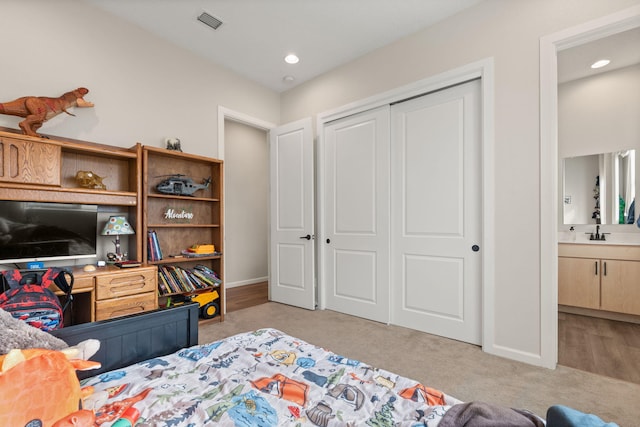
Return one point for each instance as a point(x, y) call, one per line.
point(599, 188)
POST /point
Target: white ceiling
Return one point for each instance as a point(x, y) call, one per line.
point(622, 49)
point(257, 34)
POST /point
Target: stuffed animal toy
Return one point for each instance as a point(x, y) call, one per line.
point(39, 387)
point(40, 384)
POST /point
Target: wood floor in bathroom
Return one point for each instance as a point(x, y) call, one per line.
point(606, 347)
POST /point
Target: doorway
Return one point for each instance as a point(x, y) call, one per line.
point(549, 196)
point(241, 126)
point(246, 204)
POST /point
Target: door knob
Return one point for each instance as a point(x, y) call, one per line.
point(475, 248)
point(308, 237)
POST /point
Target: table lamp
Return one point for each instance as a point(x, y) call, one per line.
point(117, 226)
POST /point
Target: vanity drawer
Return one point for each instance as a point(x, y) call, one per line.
point(125, 305)
point(600, 251)
point(129, 282)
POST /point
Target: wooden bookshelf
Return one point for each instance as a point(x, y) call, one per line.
point(181, 221)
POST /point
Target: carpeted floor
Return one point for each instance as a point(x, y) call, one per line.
point(459, 369)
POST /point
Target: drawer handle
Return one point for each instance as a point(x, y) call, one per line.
point(127, 286)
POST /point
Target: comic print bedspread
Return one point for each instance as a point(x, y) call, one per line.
point(263, 378)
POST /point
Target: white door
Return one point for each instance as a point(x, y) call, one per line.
point(436, 211)
point(356, 206)
point(291, 272)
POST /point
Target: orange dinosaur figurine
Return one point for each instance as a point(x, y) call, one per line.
point(38, 109)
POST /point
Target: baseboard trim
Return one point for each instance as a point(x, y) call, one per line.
point(609, 315)
point(239, 283)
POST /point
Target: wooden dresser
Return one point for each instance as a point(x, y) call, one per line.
point(110, 292)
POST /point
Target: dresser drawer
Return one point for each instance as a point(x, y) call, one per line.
point(125, 305)
point(129, 282)
point(83, 282)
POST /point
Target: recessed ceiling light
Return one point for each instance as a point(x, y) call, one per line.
point(292, 58)
point(601, 63)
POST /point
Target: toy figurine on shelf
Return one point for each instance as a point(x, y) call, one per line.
point(181, 185)
point(173, 144)
point(88, 179)
point(38, 109)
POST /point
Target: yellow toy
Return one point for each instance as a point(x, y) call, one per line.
point(202, 249)
point(209, 306)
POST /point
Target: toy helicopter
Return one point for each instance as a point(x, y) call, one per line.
point(181, 185)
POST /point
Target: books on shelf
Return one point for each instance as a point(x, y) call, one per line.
point(154, 253)
point(173, 279)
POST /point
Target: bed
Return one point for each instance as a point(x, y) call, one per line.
point(259, 378)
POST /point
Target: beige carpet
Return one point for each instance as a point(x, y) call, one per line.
point(460, 370)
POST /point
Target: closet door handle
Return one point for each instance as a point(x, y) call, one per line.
point(308, 237)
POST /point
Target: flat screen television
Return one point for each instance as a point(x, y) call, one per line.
point(35, 231)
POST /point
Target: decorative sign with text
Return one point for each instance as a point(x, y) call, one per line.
point(178, 214)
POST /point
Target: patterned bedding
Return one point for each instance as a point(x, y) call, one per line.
point(263, 378)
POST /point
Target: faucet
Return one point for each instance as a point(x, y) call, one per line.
point(597, 235)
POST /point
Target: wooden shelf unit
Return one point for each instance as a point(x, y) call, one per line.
point(44, 170)
point(177, 234)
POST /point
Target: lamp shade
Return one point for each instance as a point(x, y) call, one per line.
point(116, 226)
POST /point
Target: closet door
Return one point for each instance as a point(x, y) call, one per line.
point(356, 206)
point(436, 211)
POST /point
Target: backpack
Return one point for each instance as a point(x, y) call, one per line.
point(28, 298)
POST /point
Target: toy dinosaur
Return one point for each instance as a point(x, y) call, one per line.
point(38, 109)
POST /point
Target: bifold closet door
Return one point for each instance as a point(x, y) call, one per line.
point(437, 213)
point(356, 206)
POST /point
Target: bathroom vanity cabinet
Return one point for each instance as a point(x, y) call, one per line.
point(600, 277)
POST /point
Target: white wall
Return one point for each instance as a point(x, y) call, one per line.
point(580, 180)
point(599, 114)
point(508, 31)
point(144, 89)
point(246, 204)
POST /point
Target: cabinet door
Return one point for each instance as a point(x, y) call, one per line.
point(621, 286)
point(29, 162)
point(579, 282)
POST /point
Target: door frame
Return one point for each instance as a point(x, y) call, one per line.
point(228, 114)
point(549, 222)
point(484, 69)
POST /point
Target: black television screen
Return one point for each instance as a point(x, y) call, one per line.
point(34, 231)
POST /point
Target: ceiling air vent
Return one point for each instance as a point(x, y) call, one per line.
point(210, 20)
